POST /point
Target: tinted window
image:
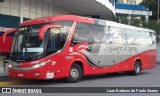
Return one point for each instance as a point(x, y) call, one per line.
point(99, 32)
point(130, 35)
point(58, 36)
point(83, 33)
point(116, 35)
point(136, 37)
point(153, 38)
point(89, 33)
point(150, 38)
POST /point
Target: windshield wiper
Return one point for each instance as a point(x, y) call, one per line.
point(25, 40)
point(28, 34)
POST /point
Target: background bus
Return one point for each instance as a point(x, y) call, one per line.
point(71, 46)
point(5, 47)
point(6, 41)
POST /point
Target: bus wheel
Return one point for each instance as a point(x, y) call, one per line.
point(137, 68)
point(75, 73)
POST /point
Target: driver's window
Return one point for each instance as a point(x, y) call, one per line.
point(33, 38)
point(53, 40)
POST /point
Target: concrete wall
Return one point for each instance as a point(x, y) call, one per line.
point(31, 9)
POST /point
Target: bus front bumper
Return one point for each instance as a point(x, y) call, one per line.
point(34, 74)
point(40, 73)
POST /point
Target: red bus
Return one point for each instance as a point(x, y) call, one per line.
point(70, 47)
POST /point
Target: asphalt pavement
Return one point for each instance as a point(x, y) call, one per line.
point(158, 53)
point(148, 78)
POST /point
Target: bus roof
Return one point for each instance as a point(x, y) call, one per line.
point(111, 23)
point(48, 19)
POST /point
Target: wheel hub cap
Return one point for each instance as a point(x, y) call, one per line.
point(74, 73)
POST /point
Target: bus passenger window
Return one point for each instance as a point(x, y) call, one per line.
point(151, 38)
point(82, 34)
point(64, 31)
point(116, 36)
point(130, 35)
point(98, 33)
point(139, 38)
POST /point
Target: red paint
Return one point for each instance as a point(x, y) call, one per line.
point(6, 41)
point(58, 18)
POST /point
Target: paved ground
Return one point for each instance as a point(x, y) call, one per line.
point(158, 53)
point(148, 78)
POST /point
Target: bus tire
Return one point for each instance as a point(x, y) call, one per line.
point(75, 73)
point(137, 68)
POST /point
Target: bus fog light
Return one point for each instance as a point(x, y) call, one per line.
point(50, 75)
point(37, 74)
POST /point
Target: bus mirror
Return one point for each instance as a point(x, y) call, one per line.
point(8, 32)
point(43, 29)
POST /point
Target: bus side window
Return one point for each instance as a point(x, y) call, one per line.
point(124, 36)
point(53, 42)
point(82, 34)
point(139, 38)
point(151, 38)
point(130, 36)
point(146, 38)
point(116, 36)
point(154, 38)
point(99, 32)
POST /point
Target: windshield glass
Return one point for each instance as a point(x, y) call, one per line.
point(27, 45)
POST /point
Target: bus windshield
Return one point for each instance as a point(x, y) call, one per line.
point(28, 46)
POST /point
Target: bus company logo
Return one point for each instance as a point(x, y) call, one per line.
point(6, 90)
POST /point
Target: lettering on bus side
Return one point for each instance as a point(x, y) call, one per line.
point(118, 49)
point(69, 57)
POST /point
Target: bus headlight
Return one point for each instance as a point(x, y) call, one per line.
point(37, 74)
point(10, 66)
point(28, 68)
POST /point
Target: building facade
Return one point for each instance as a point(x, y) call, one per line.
point(21, 10)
